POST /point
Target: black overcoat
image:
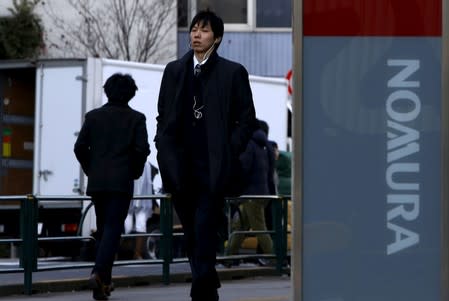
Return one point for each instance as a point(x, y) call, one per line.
point(112, 148)
point(229, 118)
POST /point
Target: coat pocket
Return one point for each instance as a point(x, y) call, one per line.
point(169, 160)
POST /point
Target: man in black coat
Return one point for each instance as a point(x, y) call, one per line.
point(206, 117)
point(112, 148)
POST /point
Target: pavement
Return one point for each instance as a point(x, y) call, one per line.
point(66, 280)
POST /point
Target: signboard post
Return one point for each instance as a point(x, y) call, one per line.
point(369, 124)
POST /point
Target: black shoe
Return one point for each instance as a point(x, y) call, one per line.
point(231, 263)
point(108, 288)
point(227, 263)
point(213, 298)
point(266, 262)
point(97, 286)
point(210, 297)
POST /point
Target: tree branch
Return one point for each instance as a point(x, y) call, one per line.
point(128, 30)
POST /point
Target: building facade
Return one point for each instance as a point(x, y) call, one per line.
point(257, 32)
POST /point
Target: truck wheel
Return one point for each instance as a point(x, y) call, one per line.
point(153, 245)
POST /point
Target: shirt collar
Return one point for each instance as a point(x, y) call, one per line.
point(196, 62)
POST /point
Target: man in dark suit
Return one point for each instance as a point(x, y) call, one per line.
point(206, 117)
point(112, 148)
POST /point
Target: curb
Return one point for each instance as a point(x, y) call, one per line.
point(78, 284)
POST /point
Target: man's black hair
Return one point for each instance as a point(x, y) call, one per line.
point(120, 88)
point(263, 125)
point(205, 17)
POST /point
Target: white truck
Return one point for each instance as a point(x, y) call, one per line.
point(42, 108)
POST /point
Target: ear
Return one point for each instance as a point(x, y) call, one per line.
point(217, 40)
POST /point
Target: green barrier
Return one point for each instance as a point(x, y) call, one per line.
point(166, 224)
point(280, 224)
point(29, 237)
point(277, 225)
point(28, 234)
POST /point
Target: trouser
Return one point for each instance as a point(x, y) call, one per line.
point(252, 216)
point(111, 210)
point(200, 214)
point(136, 220)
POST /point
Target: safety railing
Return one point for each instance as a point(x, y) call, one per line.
point(279, 213)
point(29, 239)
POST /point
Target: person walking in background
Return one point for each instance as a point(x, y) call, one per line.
point(273, 148)
point(284, 172)
point(112, 148)
point(206, 117)
point(140, 210)
point(258, 168)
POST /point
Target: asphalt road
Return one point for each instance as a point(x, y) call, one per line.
point(265, 288)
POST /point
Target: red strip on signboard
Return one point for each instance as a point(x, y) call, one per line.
point(372, 17)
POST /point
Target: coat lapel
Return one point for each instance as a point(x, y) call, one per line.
point(208, 84)
point(183, 69)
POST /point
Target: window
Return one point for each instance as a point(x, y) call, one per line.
point(235, 13)
point(231, 11)
point(240, 14)
point(274, 13)
point(183, 8)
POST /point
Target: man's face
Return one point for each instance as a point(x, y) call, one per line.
point(276, 153)
point(201, 37)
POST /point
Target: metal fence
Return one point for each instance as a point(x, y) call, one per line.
point(28, 240)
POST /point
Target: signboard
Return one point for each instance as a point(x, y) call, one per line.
point(371, 150)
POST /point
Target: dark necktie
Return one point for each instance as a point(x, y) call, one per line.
point(196, 101)
point(197, 70)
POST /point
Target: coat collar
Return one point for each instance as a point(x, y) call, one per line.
point(187, 60)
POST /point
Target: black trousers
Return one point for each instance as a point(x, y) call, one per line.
point(201, 213)
point(111, 210)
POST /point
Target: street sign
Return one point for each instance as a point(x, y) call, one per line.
point(371, 150)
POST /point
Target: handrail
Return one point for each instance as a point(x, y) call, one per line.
point(88, 198)
point(13, 197)
point(29, 239)
point(279, 217)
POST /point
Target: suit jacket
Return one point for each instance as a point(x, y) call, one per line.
point(112, 148)
point(229, 116)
